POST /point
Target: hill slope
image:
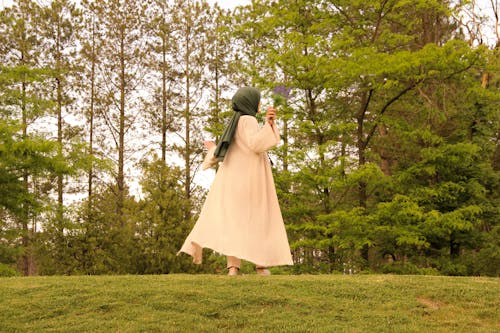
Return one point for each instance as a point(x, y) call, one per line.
point(212, 303)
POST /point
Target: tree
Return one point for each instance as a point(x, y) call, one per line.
point(189, 21)
point(165, 74)
point(21, 48)
point(389, 115)
point(89, 58)
point(123, 70)
point(58, 41)
point(220, 72)
point(354, 67)
point(161, 227)
point(23, 156)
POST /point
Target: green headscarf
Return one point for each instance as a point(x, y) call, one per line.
point(245, 102)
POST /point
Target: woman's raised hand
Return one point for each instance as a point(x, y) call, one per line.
point(271, 115)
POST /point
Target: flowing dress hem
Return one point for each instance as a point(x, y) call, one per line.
point(197, 257)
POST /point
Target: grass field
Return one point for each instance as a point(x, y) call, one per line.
point(213, 303)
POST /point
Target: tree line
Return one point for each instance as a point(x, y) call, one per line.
point(388, 110)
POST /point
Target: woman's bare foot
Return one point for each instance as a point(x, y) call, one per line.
point(233, 271)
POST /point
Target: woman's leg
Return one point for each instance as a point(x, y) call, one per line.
point(233, 265)
point(261, 270)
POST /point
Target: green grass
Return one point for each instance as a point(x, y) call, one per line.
point(214, 303)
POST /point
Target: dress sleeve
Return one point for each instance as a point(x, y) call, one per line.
point(258, 139)
point(210, 159)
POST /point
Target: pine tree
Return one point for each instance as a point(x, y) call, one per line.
point(161, 228)
point(189, 21)
point(220, 72)
point(122, 69)
point(165, 75)
point(58, 40)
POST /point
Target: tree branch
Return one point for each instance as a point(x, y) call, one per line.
point(386, 106)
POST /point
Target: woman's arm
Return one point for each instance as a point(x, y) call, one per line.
point(258, 139)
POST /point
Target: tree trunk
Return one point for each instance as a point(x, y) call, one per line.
point(361, 161)
point(60, 179)
point(120, 181)
point(385, 163)
point(187, 124)
point(91, 126)
point(24, 216)
point(454, 247)
point(285, 143)
point(164, 101)
point(362, 143)
point(187, 118)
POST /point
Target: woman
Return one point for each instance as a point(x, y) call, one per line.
point(241, 217)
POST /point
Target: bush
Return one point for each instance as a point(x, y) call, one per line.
point(408, 269)
point(6, 271)
point(454, 267)
point(487, 262)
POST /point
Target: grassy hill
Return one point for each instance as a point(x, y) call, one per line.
point(212, 303)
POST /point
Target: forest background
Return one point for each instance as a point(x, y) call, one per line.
point(388, 109)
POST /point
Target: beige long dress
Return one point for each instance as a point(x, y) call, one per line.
point(241, 216)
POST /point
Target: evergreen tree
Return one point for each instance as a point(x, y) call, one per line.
point(123, 69)
point(165, 75)
point(220, 72)
point(161, 228)
point(189, 19)
point(58, 41)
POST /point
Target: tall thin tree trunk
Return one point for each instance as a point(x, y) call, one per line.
point(121, 135)
point(385, 163)
point(187, 118)
point(361, 145)
point(217, 89)
point(164, 102)
point(216, 111)
point(60, 180)
point(285, 144)
point(60, 185)
point(24, 216)
point(91, 127)
point(361, 161)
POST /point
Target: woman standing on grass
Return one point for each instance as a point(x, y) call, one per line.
point(241, 217)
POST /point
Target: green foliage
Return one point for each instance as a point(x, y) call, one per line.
point(389, 120)
point(486, 261)
point(161, 228)
point(28, 157)
point(408, 269)
point(7, 271)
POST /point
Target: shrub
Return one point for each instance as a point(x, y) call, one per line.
point(6, 270)
point(408, 269)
